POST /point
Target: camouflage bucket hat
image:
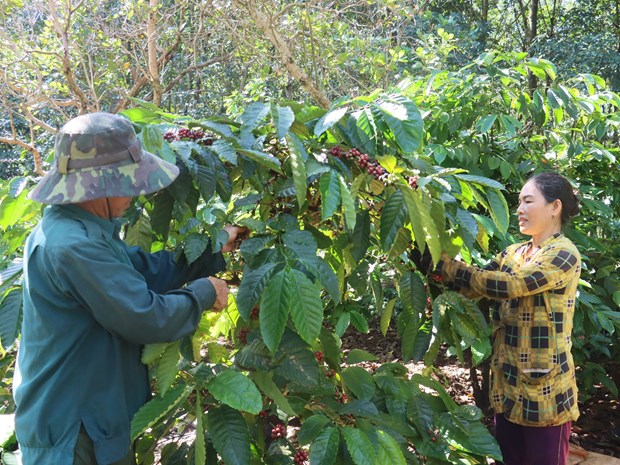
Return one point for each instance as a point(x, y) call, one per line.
point(98, 155)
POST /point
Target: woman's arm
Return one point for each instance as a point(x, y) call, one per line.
point(554, 268)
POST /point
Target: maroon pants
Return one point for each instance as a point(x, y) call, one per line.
point(530, 445)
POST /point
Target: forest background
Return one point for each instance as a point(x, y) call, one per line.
point(453, 104)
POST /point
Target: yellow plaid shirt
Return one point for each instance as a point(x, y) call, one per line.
point(532, 370)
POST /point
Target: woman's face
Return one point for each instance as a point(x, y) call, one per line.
point(536, 215)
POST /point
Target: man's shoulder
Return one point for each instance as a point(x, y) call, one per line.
point(57, 232)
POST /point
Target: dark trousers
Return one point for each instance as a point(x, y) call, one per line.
point(531, 445)
point(85, 452)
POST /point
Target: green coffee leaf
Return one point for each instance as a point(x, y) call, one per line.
point(298, 167)
point(324, 449)
point(404, 120)
point(386, 316)
point(275, 307)
point(329, 119)
point(359, 322)
point(151, 412)
point(412, 292)
point(10, 317)
point(251, 288)
point(359, 382)
point(348, 205)
point(305, 305)
point(167, 367)
point(229, 434)
point(499, 209)
point(264, 381)
point(389, 451)
point(392, 219)
point(359, 355)
point(359, 446)
point(283, 118)
point(237, 391)
point(329, 185)
point(311, 428)
point(262, 158)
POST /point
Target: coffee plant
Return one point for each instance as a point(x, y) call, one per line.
point(334, 200)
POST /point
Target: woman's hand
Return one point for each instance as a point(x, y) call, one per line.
point(422, 261)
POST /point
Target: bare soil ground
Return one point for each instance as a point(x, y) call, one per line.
point(597, 430)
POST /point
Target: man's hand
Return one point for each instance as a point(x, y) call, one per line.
point(221, 293)
point(235, 235)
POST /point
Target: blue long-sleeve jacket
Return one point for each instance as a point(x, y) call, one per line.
point(90, 303)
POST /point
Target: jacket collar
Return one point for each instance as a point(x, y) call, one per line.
point(94, 225)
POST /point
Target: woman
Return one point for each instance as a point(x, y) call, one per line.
point(533, 388)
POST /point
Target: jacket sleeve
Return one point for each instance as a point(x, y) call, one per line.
point(553, 269)
point(119, 297)
point(494, 264)
point(163, 272)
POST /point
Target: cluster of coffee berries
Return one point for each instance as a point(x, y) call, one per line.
point(339, 152)
point(189, 134)
point(413, 182)
point(301, 457)
point(171, 136)
point(319, 356)
point(184, 133)
point(278, 431)
point(263, 414)
point(341, 396)
point(243, 335)
point(330, 373)
point(363, 160)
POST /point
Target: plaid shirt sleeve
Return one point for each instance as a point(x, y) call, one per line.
point(552, 268)
point(493, 265)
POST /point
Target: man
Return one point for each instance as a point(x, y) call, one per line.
point(91, 302)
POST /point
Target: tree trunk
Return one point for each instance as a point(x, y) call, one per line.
point(533, 32)
point(617, 25)
point(533, 21)
point(484, 12)
point(151, 33)
point(480, 387)
point(269, 30)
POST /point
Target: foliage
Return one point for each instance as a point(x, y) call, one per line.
point(359, 205)
point(321, 218)
point(335, 199)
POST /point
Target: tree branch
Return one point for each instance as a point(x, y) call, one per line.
point(35, 153)
point(63, 35)
point(269, 30)
point(186, 71)
point(143, 80)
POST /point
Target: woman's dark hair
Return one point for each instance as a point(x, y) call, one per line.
point(554, 186)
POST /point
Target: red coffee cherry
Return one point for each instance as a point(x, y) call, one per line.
point(301, 457)
point(278, 431)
